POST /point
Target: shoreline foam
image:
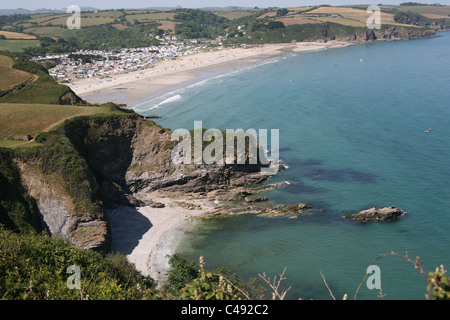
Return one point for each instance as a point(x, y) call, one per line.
point(136, 87)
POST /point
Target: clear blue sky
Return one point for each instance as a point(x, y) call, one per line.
point(114, 4)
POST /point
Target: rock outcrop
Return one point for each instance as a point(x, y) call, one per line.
point(132, 155)
point(389, 32)
point(70, 98)
point(59, 215)
point(114, 160)
point(381, 214)
point(291, 210)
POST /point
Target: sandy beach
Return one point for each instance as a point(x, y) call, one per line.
point(135, 87)
point(147, 235)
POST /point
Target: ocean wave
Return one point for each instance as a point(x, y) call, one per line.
point(154, 106)
point(171, 99)
point(216, 79)
point(197, 84)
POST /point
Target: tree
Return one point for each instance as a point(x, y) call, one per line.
point(282, 12)
point(275, 25)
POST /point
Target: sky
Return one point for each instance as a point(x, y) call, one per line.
point(116, 4)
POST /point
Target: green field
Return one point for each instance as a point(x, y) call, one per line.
point(17, 45)
point(13, 144)
point(57, 32)
point(235, 14)
point(121, 28)
point(30, 119)
point(439, 10)
point(11, 77)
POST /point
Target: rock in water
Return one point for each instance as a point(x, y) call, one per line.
point(382, 214)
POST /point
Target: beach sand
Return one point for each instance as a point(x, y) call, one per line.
point(147, 235)
point(135, 87)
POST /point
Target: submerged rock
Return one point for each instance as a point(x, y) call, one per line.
point(259, 208)
point(252, 199)
point(291, 208)
point(381, 214)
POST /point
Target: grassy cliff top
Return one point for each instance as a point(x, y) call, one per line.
point(25, 81)
point(18, 120)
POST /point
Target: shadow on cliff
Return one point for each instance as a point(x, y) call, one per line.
point(127, 228)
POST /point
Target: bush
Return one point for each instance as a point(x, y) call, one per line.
point(16, 208)
point(181, 272)
point(275, 25)
point(34, 267)
point(438, 284)
point(44, 89)
point(282, 12)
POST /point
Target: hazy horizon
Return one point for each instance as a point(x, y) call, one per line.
point(136, 4)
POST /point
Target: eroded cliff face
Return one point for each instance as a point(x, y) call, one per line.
point(92, 163)
point(390, 33)
point(132, 156)
point(58, 213)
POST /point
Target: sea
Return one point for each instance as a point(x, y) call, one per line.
point(361, 126)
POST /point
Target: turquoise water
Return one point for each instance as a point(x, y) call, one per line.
point(351, 124)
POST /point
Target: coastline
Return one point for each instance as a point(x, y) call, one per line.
point(148, 235)
point(136, 87)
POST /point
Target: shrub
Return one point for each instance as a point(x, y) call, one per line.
point(34, 267)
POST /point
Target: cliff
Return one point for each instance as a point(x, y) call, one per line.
point(388, 32)
point(90, 163)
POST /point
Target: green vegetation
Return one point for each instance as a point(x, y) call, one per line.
point(97, 37)
point(60, 161)
point(421, 20)
point(199, 24)
point(34, 267)
point(85, 58)
point(418, 4)
point(17, 210)
point(15, 19)
point(42, 89)
point(275, 25)
point(438, 284)
point(112, 29)
point(261, 33)
point(182, 271)
point(61, 164)
point(31, 119)
point(17, 45)
point(282, 12)
point(10, 76)
point(51, 153)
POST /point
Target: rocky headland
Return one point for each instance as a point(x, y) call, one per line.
point(92, 164)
